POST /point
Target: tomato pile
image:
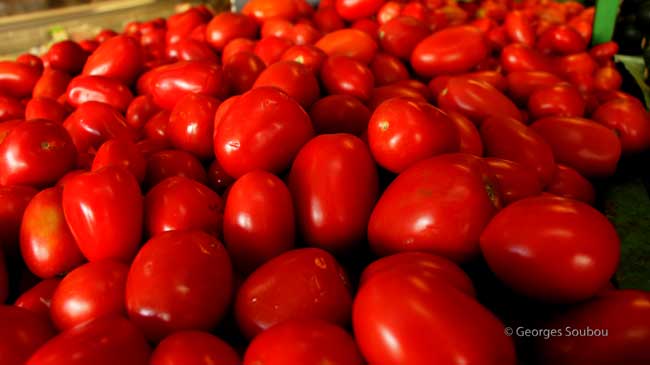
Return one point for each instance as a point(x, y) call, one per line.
point(290, 185)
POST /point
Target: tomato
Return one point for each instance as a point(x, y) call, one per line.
point(395, 307)
point(164, 164)
point(263, 10)
point(191, 50)
point(403, 132)
point(264, 141)
point(568, 183)
point(579, 63)
point(509, 139)
point(226, 26)
point(22, 332)
point(193, 347)
point(31, 61)
point(66, 56)
point(590, 148)
point(218, 180)
point(339, 114)
point(38, 298)
point(334, 185)
point(241, 70)
point(519, 28)
point(303, 342)
point(4, 279)
point(259, 220)
point(515, 181)
point(413, 213)
point(156, 127)
point(622, 313)
point(517, 57)
point(52, 84)
point(121, 153)
point(604, 51)
point(562, 100)
point(388, 69)
point(235, 46)
point(308, 55)
point(401, 35)
point(105, 341)
point(37, 153)
point(174, 81)
point(357, 9)
point(522, 84)
point(11, 109)
point(270, 49)
point(44, 108)
point(295, 79)
point(476, 100)
point(98, 88)
point(118, 58)
point(163, 297)
point(607, 79)
point(562, 39)
point(181, 25)
point(352, 43)
point(384, 93)
point(389, 11)
point(17, 80)
point(468, 136)
point(191, 124)
point(344, 75)
point(552, 249)
point(104, 212)
point(88, 45)
point(277, 27)
point(93, 123)
point(446, 269)
point(15, 199)
point(328, 20)
point(451, 50)
point(629, 120)
point(368, 26)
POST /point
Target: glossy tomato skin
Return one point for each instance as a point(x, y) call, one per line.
point(140, 110)
point(263, 142)
point(344, 75)
point(91, 291)
point(403, 132)
point(193, 347)
point(104, 212)
point(393, 306)
point(45, 108)
point(518, 57)
point(400, 35)
point(46, 243)
point(590, 148)
point(22, 332)
point(510, 139)
point(104, 341)
point(451, 50)
point(623, 313)
point(515, 180)
point(334, 185)
point(235, 46)
point(352, 43)
point(227, 26)
point(15, 198)
point(476, 100)
point(218, 180)
point(158, 284)
point(388, 69)
point(7, 126)
point(191, 50)
point(259, 220)
point(98, 88)
point(357, 9)
point(327, 19)
point(383, 93)
point(93, 123)
point(283, 288)
point(66, 56)
point(556, 101)
point(303, 342)
point(167, 163)
point(52, 84)
point(39, 297)
point(420, 194)
point(241, 70)
point(17, 79)
point(553, 249)
point(293, 78)
point(124, 153)
point(179, 203)
point(271, 49)
point(308, 55)
point(568, 183)
point(11, 109)
point(468, 136)
point(191, 124)
point(519, 29)
point(339, 114)
point(629, 120)
point(156, 127)
point(174, 81)
point(262, 10)
point(118, 58)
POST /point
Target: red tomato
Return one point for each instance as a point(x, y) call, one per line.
point(164, 164)
point(122, 153)
point(31, 61)
point(241, 70)
point(186, 77)
point(607, 79)
point(11, 108)
point(339, 114)
point(468, 136)
point(93, 123)
point(344, 75)
point(181, 25)
point(293, 78)
point(105, 341)
point(519, 28)
point(308, 55)
point(393, 307)
point(494, 78)
point(401, 35)
point(91, 291)
point(191, 124)
point(44, 108)
point(158, 284)
point(259, 221)
point(15, 199)
point(562, 100)
point(522, 84)
point(328, 20)
point(352, 43)
point(515, 181)
point(440, 266)
point(66, 56)
point(509, 139)
point(517, 57)
point(46, 243)
point(263, 9)
point(218, 180)
point(403, 132)
point(285, 288)
point(38, 298)
point(277, 27)
point(118, 58)
point(193, 347)
point(303, 342)
point(629, 120)
point(52, 84)
point(235, 46)
point(179, 203)
point(476, 100)
point(191, 50)
point(22, 332)
point(6, 127)
point(104, 212)
point(590, 148)
point(579, 63)
point(17, 79)
point(604, 51)
point(226, 26)
point(334, 185)
point(451, 50)
point(36, 153)
point(357, 9)
point(389, 11)
point(369, 26)
point(156, 127)
point(552, 249)
point(568, 183)
point(413, 213)
point(562, 39)
point(384, 93)
point(270, 49)
point(388, 69)
point(264, 141)
point(622, 313)
point(83, 89)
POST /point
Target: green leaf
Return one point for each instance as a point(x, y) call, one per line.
point(635, 66)
point(604, 21)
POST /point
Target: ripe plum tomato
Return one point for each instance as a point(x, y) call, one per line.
point(218, 180)
point(468, 136)
point(191, 124)
point(66, 56)
point(102, 89)
point(174, 81)
point(400, 35)
point(344, 75)
point(22, 332)
point(561, 100)
point(387, 69)
point(93, 123)
point(629, 120)
point(15, 199)
point(357, 9)
point(293, 78)
point(568, 183)
point(17, 79)
point(118, 58)
point(515, 180)
point(352, 43)
point(124, 153)
point(339, 114)
point(168, 163)
point(241, 70)
point(141, 109)
point(477, 100)
point(39, 297)
point(226, 26)
point(308, 55)
point(263, 10)
point(45, 108)
point(522, 84)
point(193, 347)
